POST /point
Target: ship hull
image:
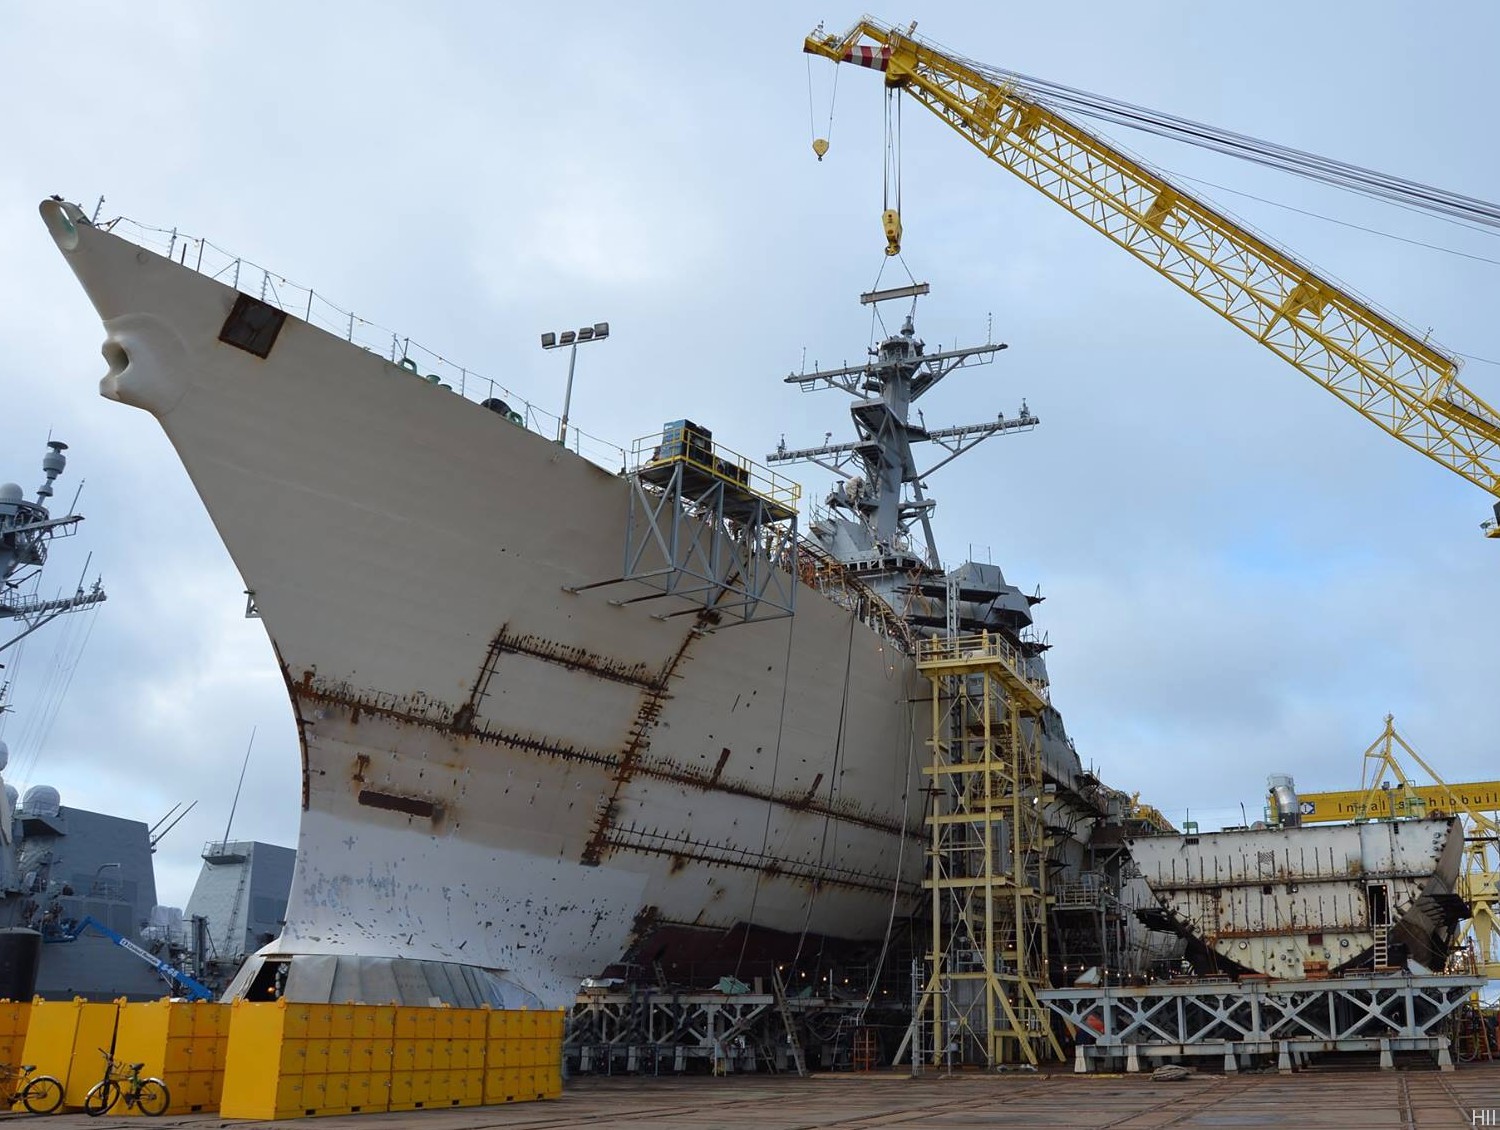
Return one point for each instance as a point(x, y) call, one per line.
point(1307, 901)
point(500, 772)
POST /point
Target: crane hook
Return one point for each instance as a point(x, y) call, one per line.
point(890, 219)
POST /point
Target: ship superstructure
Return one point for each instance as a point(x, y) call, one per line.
point(878, 523)
point(522, 766)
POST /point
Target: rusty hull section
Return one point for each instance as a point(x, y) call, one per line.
point(464, 735)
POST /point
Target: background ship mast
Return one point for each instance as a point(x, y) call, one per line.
point(26, 532)
point(877, 499)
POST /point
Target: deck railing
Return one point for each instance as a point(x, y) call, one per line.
point(303, 302)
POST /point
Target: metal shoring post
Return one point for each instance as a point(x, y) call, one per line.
point(717, 574)
point(674, 548)
point(939, 788)
point(916, 1018)
point(994, 1049)
point(1021, 843)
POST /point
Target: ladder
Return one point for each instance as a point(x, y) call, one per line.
point(1473, 1042)
point(791, 1026)
point(1382, 946)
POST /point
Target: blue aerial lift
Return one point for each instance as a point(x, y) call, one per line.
point(191, 989)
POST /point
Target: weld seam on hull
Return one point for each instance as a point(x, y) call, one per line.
point(717, 855)
point(645, 719)
point(665, 772)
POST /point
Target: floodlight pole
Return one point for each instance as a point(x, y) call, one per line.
point(562, 425)
point(572, 339)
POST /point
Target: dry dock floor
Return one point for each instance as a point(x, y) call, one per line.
point(1314, 1100)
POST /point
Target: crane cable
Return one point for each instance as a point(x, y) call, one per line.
point(1454, 206)
point(820, 144)
point(890, 216)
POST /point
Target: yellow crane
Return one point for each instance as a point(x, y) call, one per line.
point(1387, 792)
point(1386, 372)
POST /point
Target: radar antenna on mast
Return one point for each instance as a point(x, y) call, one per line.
point(880, 485)
point(26, 533)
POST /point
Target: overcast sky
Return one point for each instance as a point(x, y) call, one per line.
point(1243, 576)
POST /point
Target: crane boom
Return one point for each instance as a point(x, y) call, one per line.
point(1383, 370)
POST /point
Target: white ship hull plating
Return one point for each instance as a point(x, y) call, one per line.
point(1292, 902)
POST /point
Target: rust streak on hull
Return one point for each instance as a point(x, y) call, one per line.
point(578, 659)
point(422, 712)
point(640, 731)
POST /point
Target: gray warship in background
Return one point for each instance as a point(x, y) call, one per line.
point(77, 888)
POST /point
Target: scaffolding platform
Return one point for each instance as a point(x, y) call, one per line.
point(687, 452)
point(987, 858)
point(664, 1031)
point(708, 532)
point(1244, 1023)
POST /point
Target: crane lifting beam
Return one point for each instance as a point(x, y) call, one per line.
point(1388, 373)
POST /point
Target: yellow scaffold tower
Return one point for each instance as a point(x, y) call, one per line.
point(987, 866)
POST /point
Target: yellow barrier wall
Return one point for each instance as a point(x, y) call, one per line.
point(13, 1018)
point(293, 1060)
point(285, 1060)
point(63, 1039)
point(523, 1059)
point(182, 1043)
point(437, 1058)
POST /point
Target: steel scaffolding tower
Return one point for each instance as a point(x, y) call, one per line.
point(987, 866)
point(710, 528)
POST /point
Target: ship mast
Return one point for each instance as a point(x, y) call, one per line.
point(886, 497)
point(26, 531)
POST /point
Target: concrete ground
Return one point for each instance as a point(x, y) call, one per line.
point(1312, 1100)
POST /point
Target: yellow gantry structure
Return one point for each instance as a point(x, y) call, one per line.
point(1388, 793)
point(1386, 372)
point(987, 862)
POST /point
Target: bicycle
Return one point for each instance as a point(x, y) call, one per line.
point(123, 1081)
point(40, 1095)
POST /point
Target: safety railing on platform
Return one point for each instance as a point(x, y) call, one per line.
point(679, 443)
point(303, 302)
point(982, 645)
